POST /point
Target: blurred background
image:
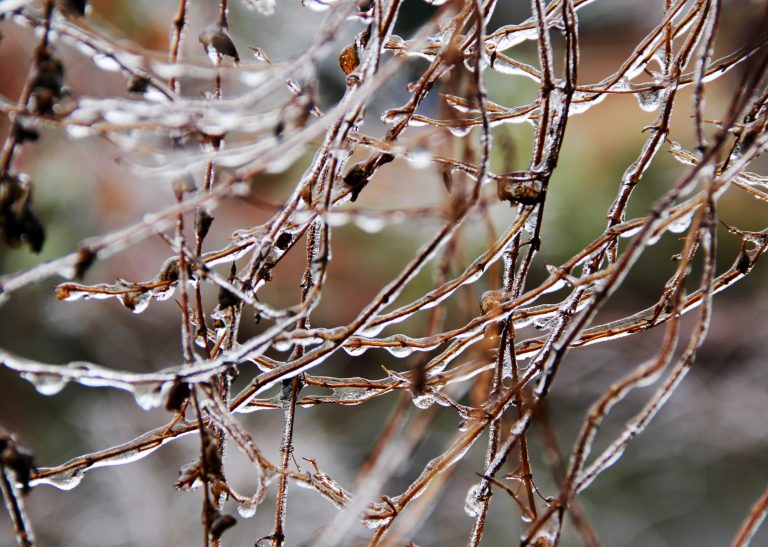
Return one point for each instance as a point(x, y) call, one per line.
point(688, 480)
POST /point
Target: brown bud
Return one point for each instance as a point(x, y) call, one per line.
point(85, 259)
point(520, 191)
point(349, 60)
point(203, 221)
point(177, 396)
point(73, 7)
point(218, 43)
point(222, 524)
point(138, 84)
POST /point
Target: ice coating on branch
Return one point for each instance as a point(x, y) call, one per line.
point(473, 504)
point(511, 35)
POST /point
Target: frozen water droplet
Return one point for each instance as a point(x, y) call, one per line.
point(106, 62)
point(79, 131)
point(136, 301)
point(46, 384)
point(419, 158)
point(66, 480)
point(246, 509)
point(369, 224)
point(423, 401)
point(460, 131)
point(148, 396)
point(370, 332)
point(392, 117)
point(282, 345)
point(164, 293)
point(317, 5)
point(649, 99)
point(556, 286)
point(631, 232)
point(399, 352)
point(472, 503)
point(355, 351)
point(681, 224)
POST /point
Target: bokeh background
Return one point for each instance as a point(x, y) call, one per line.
point(688, 480)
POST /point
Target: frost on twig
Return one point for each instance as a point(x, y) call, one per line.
point(375, 214)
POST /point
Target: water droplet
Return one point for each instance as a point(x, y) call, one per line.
point(355, 351)
point(120, 117)
point(164, 293)
point(370, 332)
point(247, 509)
point(423, 401)
point(631, 232)
point(64, 481)
point(556, 286)
point(136, 301)
point(317, 5)
point(419, 158)
point(369, 224)
point(148, 396)
point(79, 131)
point(282, 345)
point(460, 131)
point(649, 99)
point(106, 62)
point(399, 351)
point(392, 117)
point(681, 224)
point(46, 384)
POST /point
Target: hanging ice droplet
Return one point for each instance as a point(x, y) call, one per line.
point(317, 5)
point(460, 131)
point(369, 224)
point(423, 401)
point(681, 224)
point(649, 99)
point(282, 345)
point(136, 301)
point(355, 351)
point(79, 131)
point(66, 480)
point(46, 384)
point(246, 509)
point(631, 232)
point(419, 158)
point(399, 351)
point(472, 503)
point(393, 116)
point(106, 62)
point(148, 396)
